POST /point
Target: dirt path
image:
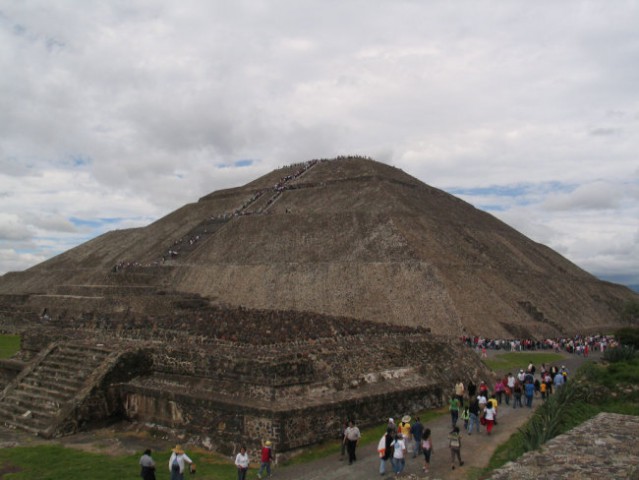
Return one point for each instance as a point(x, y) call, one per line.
point(476, 449)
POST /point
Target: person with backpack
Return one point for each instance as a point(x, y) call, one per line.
point(267, 458)
point(385, 450)
point(454, 443)
point(177, 463)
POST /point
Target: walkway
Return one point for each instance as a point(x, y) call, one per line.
point(476, 449)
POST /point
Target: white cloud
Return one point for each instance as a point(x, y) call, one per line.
point(127, 110)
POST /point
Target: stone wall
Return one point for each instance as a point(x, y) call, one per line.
point(282, 375)
point(9, 369)
point(224, 425)
point(603, 447)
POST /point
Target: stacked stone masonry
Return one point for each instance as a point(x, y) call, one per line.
point(603, 447)
point(230, 376)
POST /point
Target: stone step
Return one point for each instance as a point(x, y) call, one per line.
point(51, 377)
point(65, 387)
point(47, 403)
point(18, 408)
point(68, 365)
point(31, 423)
point(23, 403)
point(81, 351)
point(53, 393)
point(70, 377)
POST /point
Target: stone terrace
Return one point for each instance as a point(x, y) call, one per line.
point(603, 447)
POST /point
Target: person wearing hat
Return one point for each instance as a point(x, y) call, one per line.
point(267, 457)
point(404, 429)
point(177, 463)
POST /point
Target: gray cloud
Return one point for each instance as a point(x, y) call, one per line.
point(120, 110)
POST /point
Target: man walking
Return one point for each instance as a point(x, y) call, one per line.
point(351, 438)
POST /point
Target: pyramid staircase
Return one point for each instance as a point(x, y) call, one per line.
point(45, 394)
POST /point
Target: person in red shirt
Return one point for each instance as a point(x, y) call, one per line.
point(267, 456)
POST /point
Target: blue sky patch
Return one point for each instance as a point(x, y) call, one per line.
point(81, 222)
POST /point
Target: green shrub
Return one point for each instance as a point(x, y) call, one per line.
point(630, 312)
point(628, 336)
point(622, 353)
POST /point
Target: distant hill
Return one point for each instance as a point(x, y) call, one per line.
point(347, 237)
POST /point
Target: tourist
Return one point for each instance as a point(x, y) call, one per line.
point(242, 463)
point(343, 435)
point(483, 389)
point(517, 391)
point(267, 457)
point(454, 443)
point(391, 425)
point(465, 416)
point(499, 390)
point(453, 408)
point(351, 437)
point(459, 392)
point(492, 401)
point(510, 385)
point(482, 400)
point(473, 420)
point(472, 389)
point(529, 392)
point(385, 450)
point(177, 463)
point(399, 454)
point(147, 466)
point(542, 389)
point(416, 431)
point(404, 429)
point(427, 449)
point(558, 380)
point(489, 417)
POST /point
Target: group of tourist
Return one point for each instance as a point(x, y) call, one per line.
point(476, 406)
point(179, 460)
point(579, 344)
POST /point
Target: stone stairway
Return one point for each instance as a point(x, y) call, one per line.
point(46, 392)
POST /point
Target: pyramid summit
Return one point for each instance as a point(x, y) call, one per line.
point(349, 237)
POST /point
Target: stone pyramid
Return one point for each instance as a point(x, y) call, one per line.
point(348, 237)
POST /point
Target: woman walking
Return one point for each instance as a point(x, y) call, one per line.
point(427, 449)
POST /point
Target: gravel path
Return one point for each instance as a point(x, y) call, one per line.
point(475, 452)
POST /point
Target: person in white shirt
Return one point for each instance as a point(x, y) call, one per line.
point(242, 463)
point(176, 463)
point(399, 454)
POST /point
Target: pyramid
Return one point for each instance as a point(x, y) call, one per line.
point(349, 237)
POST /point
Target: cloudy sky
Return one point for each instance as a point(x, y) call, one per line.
point(113, 114)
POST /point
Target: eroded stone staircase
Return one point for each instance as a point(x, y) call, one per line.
point(45, 394)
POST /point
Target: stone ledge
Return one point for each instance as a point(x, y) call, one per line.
point(603, 447)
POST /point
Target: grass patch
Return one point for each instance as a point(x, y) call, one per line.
point(53, 462)
point(513, 361)
point(9, 345)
